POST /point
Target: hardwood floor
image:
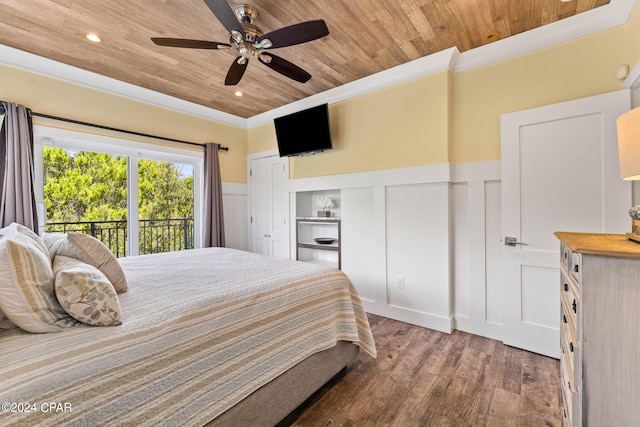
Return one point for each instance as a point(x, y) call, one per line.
point(427, 378)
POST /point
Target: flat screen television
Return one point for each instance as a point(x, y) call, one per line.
point(306, 131)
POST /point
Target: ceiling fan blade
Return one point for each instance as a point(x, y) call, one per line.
point(195, 44)
point(296, 34)
point(285, 67)
point(236, 71)
point(225, 15)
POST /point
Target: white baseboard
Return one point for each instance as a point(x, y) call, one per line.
point(431, 321)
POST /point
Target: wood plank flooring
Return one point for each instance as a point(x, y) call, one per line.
point(427, 378)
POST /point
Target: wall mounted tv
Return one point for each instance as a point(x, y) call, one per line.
point(306, 131)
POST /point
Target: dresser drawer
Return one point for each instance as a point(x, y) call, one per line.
point(565, 257)
point(569, 312)
point(567, 407)
point(575, 266)
point(567, 360)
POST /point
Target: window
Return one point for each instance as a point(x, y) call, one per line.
point(165, 206)
point(114, 189)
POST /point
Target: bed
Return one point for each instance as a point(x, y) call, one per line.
point(207, 337)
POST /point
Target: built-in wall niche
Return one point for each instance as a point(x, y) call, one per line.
point(307, 203)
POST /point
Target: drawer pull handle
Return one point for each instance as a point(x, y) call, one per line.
point(564, 318)
point(575, 306)
point(566, 287)
point(576, 268)
point(571, 347)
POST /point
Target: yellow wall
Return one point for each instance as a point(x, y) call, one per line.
point(456, 117)
point(439, 118)
point(365, 130)
point(54, 97)
point(262, 138)
point(633, 36)
point(405, 125)
point(572, 70)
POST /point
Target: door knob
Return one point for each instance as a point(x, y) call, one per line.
point(512, 241)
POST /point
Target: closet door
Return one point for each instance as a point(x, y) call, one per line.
point(559, 173)
point(269, 177)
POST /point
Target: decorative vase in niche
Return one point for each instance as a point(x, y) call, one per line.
point(324, 203)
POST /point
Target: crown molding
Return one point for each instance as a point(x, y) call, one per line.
point(611, 15)
point(57, 70)
point(614, 14)
point(412, 70)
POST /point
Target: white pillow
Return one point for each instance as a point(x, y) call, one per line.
point(85, 293)
point(90, 250)
point(26, 282)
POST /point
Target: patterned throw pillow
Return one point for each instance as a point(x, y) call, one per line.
point(87, 249)
point(26, 282)
point(85, 292)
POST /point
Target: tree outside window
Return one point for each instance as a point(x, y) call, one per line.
point(86, 191)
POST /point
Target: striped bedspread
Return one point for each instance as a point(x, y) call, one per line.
point(202, 329)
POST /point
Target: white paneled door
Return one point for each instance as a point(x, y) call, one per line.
point(269, 201)
point(559, 173)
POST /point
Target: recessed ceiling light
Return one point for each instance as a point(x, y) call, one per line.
point(238, 93)
point(490, 37)
point(93, 37)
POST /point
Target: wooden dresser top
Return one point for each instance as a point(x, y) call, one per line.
point(600, 244)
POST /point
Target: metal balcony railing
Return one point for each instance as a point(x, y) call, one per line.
point(155, 235)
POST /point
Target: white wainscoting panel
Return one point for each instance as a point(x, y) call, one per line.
point(477, 256)
point(358, 240)
point(437, 226)
point(418, 251)
point(493, 258)
point(460, 240)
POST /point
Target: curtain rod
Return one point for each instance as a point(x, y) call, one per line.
point(77, 122)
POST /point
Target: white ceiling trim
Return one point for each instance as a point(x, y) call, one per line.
point(412, 70)
point(614, 14)
point(57, 70)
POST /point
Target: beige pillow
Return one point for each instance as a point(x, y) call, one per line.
point(88, 249)
point(26, 283)
point(5, 323)
point(85, 293)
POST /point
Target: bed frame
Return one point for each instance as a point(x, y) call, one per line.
point(273, 402)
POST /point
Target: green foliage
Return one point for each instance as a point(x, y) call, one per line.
point(88, 186)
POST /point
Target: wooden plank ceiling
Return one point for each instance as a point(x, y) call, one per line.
point(366, 36)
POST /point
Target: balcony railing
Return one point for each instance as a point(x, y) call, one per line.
point(155, 235)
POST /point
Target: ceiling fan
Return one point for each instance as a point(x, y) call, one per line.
point(250, 42)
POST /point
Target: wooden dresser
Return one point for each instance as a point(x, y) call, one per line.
point(600, 329)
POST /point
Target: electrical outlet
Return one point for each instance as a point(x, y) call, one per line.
point(400, 282)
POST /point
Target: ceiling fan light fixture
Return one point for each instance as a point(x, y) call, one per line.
point(236, 37)
point(264, 44)
point(246, 14)
point(250, 41)
point(265, 58)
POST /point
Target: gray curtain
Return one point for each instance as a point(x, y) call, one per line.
point(17, 197)
point(213, 218)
